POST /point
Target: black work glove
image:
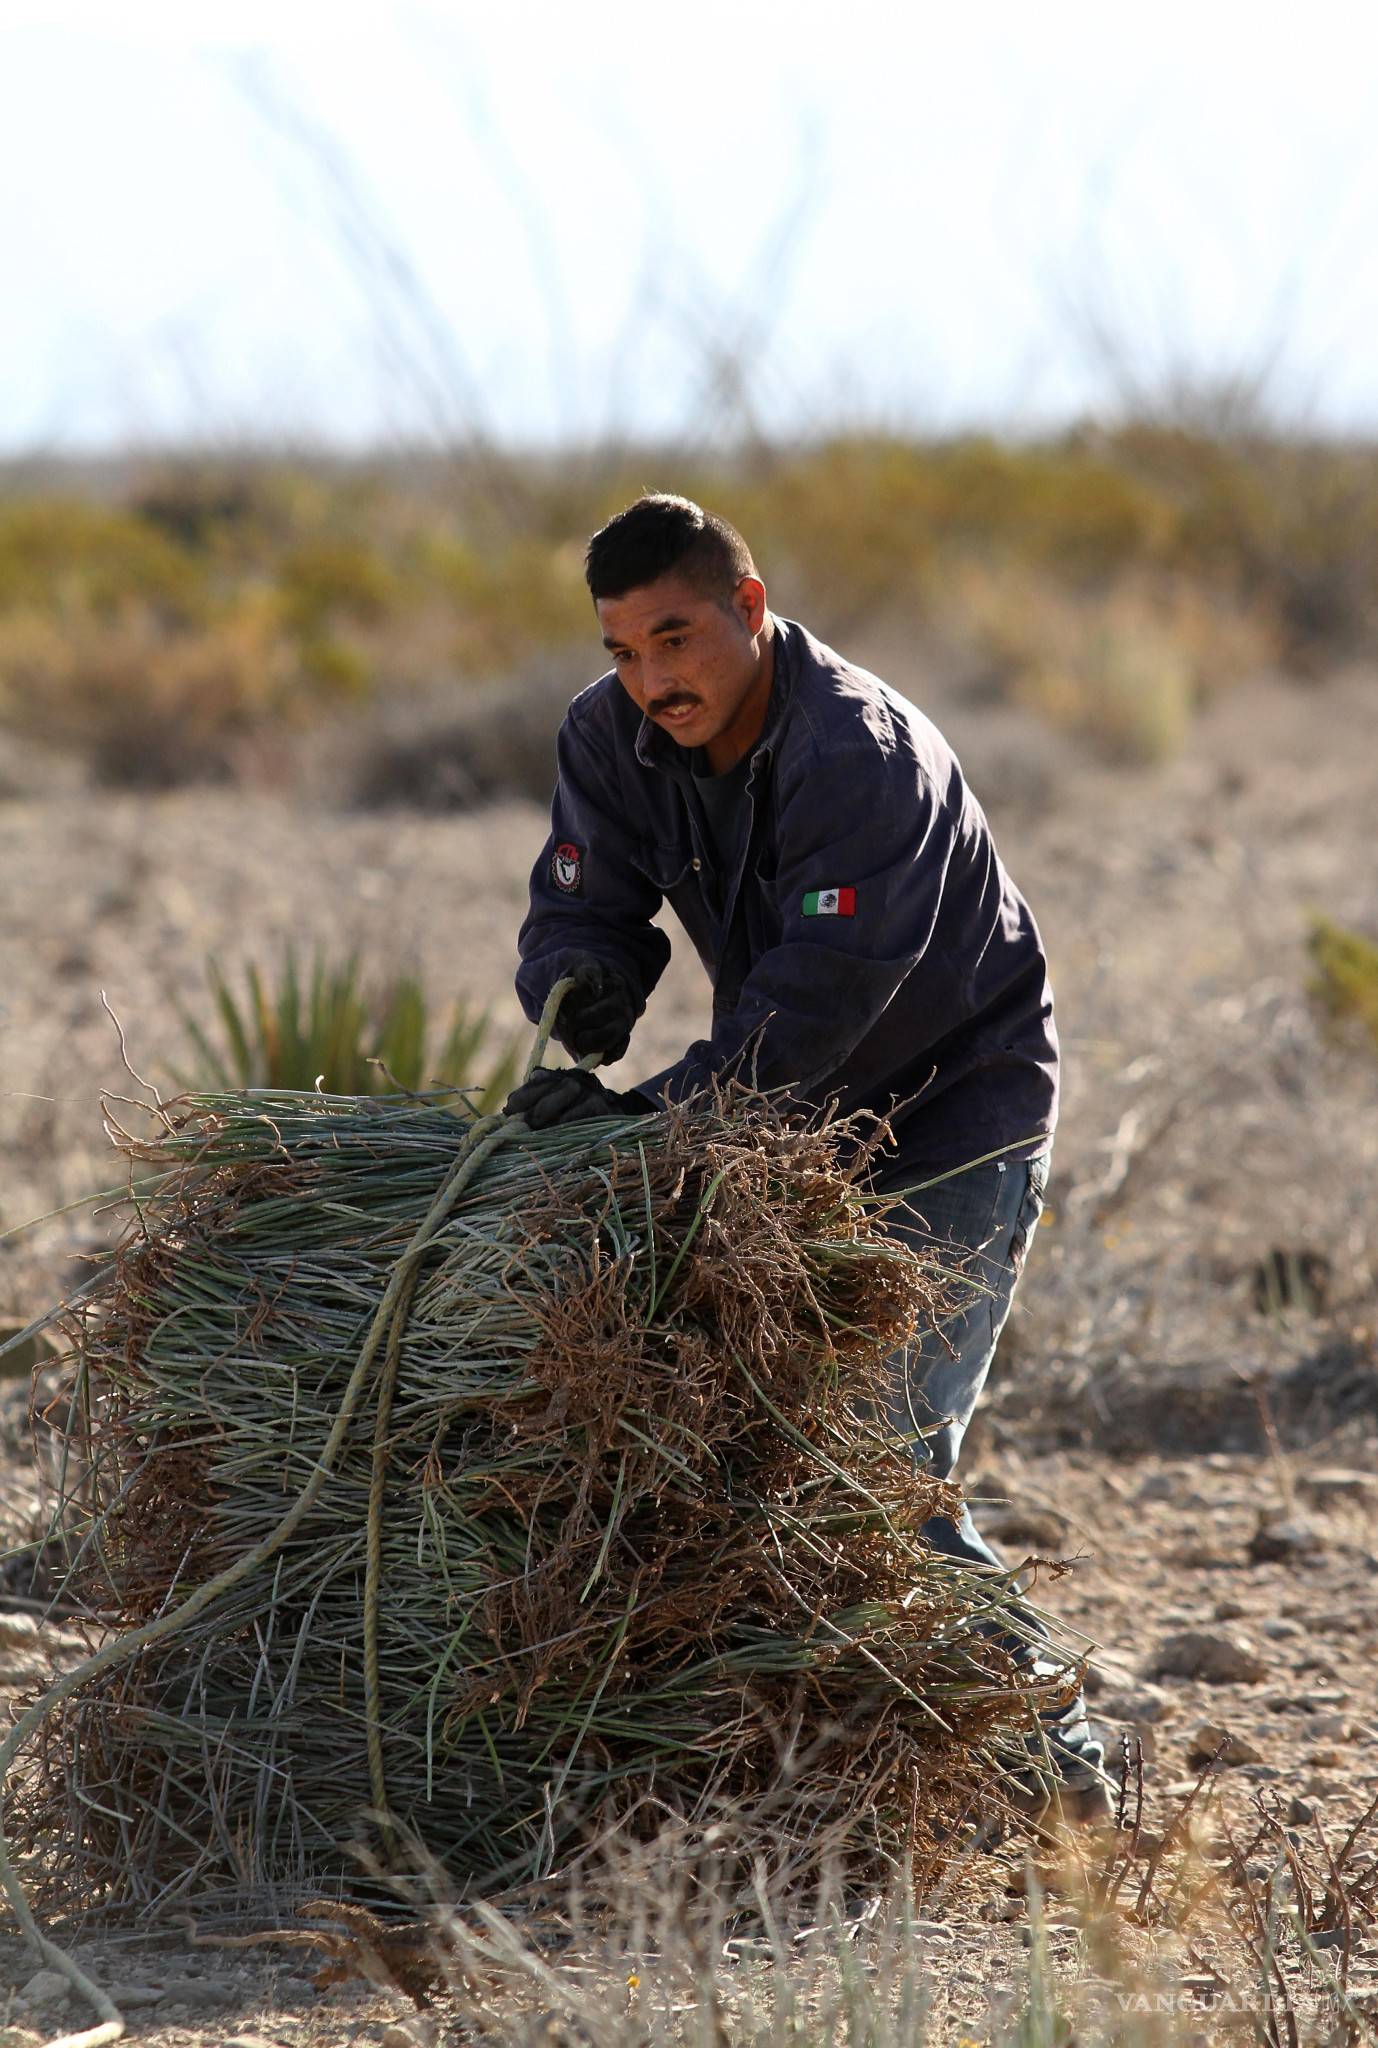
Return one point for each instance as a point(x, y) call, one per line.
point(598, 1013)
point(567, 1095)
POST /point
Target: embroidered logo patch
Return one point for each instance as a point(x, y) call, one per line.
point(830, 903)
point(567, 868)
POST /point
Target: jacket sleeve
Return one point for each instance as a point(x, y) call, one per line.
point(586, 894)
point(871, 823)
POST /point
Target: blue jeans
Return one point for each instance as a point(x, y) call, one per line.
point(987, 1215)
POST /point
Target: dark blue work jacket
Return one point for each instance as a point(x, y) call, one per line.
point(870, 945)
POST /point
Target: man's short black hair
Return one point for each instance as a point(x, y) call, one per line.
point(660, 533)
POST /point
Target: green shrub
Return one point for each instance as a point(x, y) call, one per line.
point(1346, 979)
point(846, 529)
point(1124, 668)
point(1060, 507)
point(510, 599)
point(323, 581)
point(200, 506)
point(334, 668)
point(64, 557)
point(1289, 526)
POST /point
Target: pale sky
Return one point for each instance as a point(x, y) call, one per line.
point(885, 214)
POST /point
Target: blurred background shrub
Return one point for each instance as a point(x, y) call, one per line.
point(184, 623)
point(1345, 983)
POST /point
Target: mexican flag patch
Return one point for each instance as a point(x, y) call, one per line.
point(830, 903)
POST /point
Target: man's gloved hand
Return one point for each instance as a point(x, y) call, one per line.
point(598, 1013)
point(569, 1094)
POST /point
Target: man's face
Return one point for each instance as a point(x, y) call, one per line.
point(698, 668)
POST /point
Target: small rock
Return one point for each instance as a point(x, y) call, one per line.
point(1023, 1528)
point(1104, 1675)
point(249, 2041)
point(19, 1632)
point(1229, 1610)
point(1215, 1657)
point(551, 2029)
point(1145, 1703)
point(1233, 1748)
point(1112, 1737)
point(1278, 1628)
point(1282, 1541)
point(45, 1987)
point(1051, 1878)
point(129, 1997)
point(1327, 1483)
point(202, 1991)
point(1322, 1696)
point(1149, 1842)
point(1326, 1759)
point(16, 1671)
point(1157, 1486)
point(1199, 1557)
point(1300, 1812)
point(1328, 1728)
point(56, 1642)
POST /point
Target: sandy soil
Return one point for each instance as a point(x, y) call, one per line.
point(1158, 1410)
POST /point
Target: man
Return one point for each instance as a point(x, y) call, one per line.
point(815, 837)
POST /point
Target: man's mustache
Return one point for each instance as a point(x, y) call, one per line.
point(669, 704)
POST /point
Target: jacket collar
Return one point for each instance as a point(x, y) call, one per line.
point(656, 749)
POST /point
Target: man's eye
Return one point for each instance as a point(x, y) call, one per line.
point(674, 639)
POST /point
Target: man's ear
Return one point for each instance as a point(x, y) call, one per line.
point(749, 603)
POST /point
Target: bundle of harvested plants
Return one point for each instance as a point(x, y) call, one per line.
point(448, 1491)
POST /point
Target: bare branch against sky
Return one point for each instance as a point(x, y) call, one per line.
point(528, 225)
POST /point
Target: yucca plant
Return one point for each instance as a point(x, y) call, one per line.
point(333, 1032)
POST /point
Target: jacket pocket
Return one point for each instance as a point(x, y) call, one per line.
point(667, 866)
point(1030, 1210)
